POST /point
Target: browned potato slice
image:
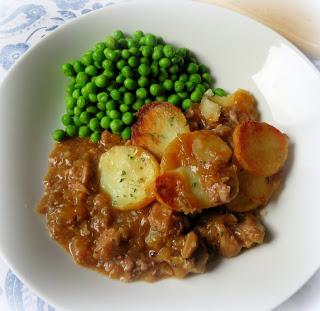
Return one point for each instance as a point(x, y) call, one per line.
point(157, 125)
point(258, 188)
point(260, 148)
point(195, 148)
point(128, 174)
point(196, 173)
point(241, 203)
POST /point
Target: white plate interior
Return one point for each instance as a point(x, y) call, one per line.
point(241, 54)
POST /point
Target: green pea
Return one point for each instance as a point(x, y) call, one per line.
point(102, 97)
point(71, 130)
point(161, 98)
point(86, 59)
point(174, 69)
point(69, 89)
point(189, 86)
point(207, 77)
point(163, 75)
point(92, 109)
point(183, 52)
point(220, 92)
point(200, 88)
point(98, 56)
point(109, 74)
point(122, 43)
point(91, 87)
point(118, 34)
point(155, 69)
point(68, 70)
point(66, 119)
point(101, 81)
point(196, 96)
point(77, 111)
point(91, 70)
point(82, 78)
point(192, 68)
point(97, 64)
point(70, 102)
point(128, 98)
point(150, 39)
point(202, 68)
point(195, 78)
point(138, 34)
point(100, 115)
point(101, 106)
point(100, 46)
point(111, 43)
point(164, 62)
point(92, 98)
point(77, 66)
point(70, 111)
point(183, 95)
point(115, 94)
point(157, 53)
point(142, 93)
point(105, 122)
point(84, 117)
point(114, 114)
point(142, 40)
point(143, 81)
point(177, 60)
point(174, 77)
point(95, 137)
point(145, 60)
point(127, 118)
point(147, 51)
point(132, 43)
point(121, 63)
point(108, 65)
point(116, 126)
point(122, 89)
point(174, 99)
point(168, 85)
point(111, 105)
point(112, 55)
point(58, 135)
point(168, 50)
point(148, 101)
point(76, 121)
point(138, 104)
point(94, 124)
point(120, 78)
point(186, 104)
point(183, 77)
point(76, 93)
point(134, 51)
point(81, 102)
point(133, 61)
point(178, 86)
point(155, 89)
point(126, 133)
point(144, 70)
point(125, 54)
point(127, 72)
point(84, 92)
point(111, 86)
point(124, 108)
point(84, 131)
point(130, 84)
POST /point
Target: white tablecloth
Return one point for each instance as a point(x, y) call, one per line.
point(22, 24)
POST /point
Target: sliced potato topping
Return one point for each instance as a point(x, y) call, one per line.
point(128, 174)
point(260, 148)
point(209, 109)
point(241, 203)
point(196, 173)
point(157, 125)
point(258, 188)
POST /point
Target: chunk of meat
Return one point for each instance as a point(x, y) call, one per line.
point(80, 249)
point(190, 245)
point(228, 236)
point(250, 231)
point(160, 218)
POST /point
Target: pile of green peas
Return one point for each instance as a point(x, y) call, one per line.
point(111, 82)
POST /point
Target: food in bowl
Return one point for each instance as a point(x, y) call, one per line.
point(186, 187)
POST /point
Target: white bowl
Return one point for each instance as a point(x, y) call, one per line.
point(241, 53)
